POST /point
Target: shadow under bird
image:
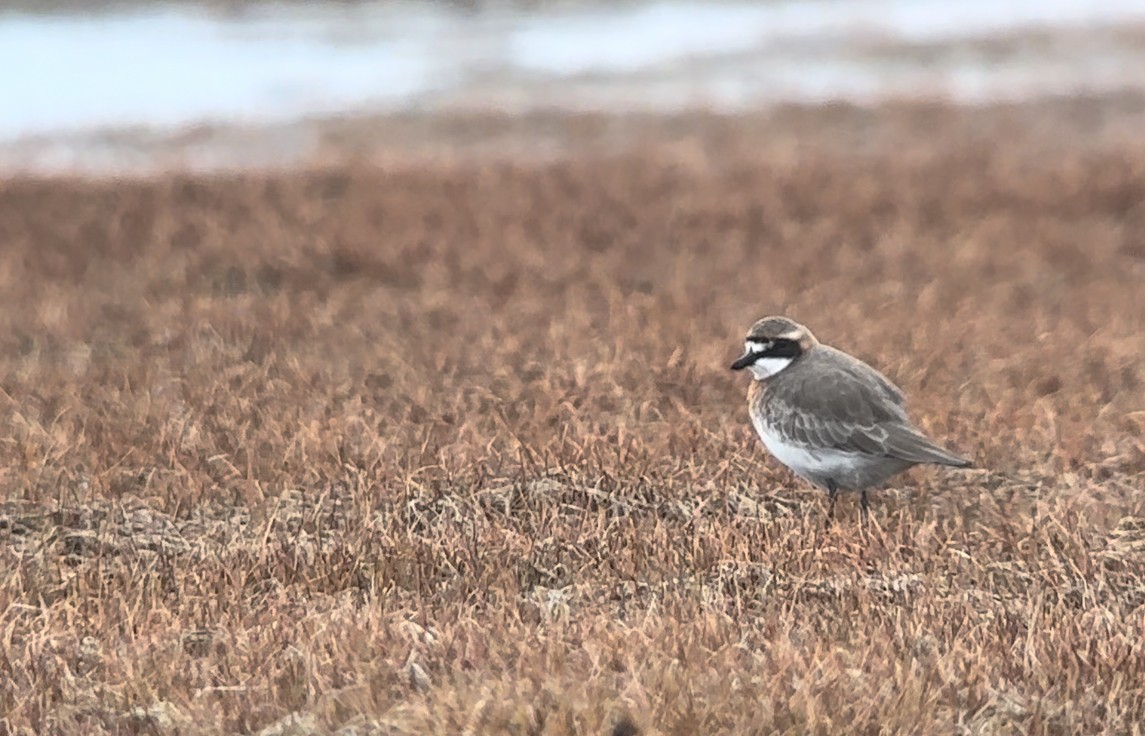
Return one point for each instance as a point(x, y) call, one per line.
point(828, 416)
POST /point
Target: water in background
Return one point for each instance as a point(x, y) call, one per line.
point(166, 66)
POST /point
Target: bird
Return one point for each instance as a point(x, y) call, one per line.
point(832, 419)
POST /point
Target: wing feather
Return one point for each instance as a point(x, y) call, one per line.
point(840, 403)
point(906, 443)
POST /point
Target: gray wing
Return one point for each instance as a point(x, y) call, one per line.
point(841, 403)
point(862, 373)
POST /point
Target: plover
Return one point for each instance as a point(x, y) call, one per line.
point(828, 416)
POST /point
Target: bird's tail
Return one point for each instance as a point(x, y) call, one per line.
point(907, 444)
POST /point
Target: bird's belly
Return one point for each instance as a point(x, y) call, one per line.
point(814, 464)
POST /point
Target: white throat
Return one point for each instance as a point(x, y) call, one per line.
point(768, 367)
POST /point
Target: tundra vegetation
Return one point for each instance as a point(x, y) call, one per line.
point(444, 440)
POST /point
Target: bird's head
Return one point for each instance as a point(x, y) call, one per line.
point(772, 344)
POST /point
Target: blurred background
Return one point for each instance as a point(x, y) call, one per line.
point(98, 86)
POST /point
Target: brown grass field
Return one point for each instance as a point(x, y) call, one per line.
point(449, 444)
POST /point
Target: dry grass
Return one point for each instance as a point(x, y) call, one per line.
point(453, 448)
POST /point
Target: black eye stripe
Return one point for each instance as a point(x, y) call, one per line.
point(780, 347)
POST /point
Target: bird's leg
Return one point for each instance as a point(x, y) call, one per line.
point(865, 504)
point(832, 493)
